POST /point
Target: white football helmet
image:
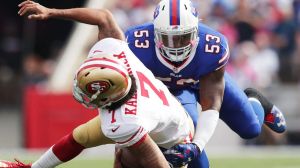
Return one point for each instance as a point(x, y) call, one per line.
point(100, 81)
point(176, 29)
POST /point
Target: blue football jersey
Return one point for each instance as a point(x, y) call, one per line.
point(210, 54)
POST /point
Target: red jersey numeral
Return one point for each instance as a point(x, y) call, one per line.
point(113, 119)
point(144, 92)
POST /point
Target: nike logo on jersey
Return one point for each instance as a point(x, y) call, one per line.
point(115, 129)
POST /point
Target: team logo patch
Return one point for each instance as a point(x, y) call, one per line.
point(270, 118)
point(194, 10)
point(156, 12)
point(102, 86)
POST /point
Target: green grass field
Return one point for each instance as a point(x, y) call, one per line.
point(216, 162)
point(241, 158)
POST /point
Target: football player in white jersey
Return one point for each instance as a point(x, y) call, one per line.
point(136, 111)
point(152, 109)
point(133, 102)
point(127, 116)
point(133, 106)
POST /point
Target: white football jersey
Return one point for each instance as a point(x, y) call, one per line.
point(153, 109)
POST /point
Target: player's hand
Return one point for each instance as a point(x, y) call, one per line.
point(34, 10)
point(181, 154)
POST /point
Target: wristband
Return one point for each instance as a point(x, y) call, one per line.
point(207, 123)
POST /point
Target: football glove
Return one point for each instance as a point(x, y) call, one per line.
point(181, 154)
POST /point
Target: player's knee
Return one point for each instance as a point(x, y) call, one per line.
point(251, 131)
point(81, 135)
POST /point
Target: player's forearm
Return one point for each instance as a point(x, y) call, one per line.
point(212, 90)
point(83, 15)
point(99, 17)
point(150, 155)
point(211, 97)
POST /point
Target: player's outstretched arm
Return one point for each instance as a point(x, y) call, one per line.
point(100, 17)
point(211, 97)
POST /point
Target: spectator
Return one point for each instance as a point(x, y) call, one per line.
point(264, 62)
point(284, 43)
point(295, 63)
point(10, 45)
point(296, 9)
point(239, 67)
point(33, 70)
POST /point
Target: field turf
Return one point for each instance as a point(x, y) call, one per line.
point(241, 158)
point(216, 162)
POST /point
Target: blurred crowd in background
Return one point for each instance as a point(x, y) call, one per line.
point(29, 49)
point(264, 35)
point(264, 38)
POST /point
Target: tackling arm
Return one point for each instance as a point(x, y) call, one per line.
point(212, 90)
point(146, 155)
point(211, 97)
point(100, 17)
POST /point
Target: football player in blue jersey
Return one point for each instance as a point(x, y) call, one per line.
point(190, 58)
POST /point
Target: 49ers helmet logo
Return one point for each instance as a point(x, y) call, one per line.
point(94, 86)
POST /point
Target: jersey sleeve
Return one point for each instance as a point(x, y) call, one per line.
point(124, 131)
point(213, 50)
point(129, 135)
point(129, 35)
point(140, 37)
point(216, 51)
point(134, 33)
point(224, 53)
point(140, 40)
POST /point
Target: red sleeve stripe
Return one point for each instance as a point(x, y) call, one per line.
point(134, 135)
point(140, 141)
point(67, 148)
point(191, 136)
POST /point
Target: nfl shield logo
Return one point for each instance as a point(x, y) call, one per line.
point(156, 12)
point(194, 11)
